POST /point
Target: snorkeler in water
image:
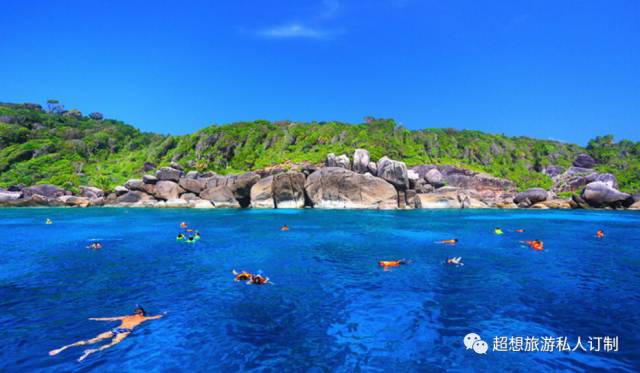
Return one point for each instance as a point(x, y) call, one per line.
point(180, 237)
point(535, 244)
point(600, 233)
point(127, 324)
point(241, 276)
point(48, 221)
point(457, 261)
point(259, 280)
point(392, 263)
point(183, 225)
point(95, 246)
point(284, 228)
point(448, 242)
point(519, 230)
point(498, 231)
point(191, 240)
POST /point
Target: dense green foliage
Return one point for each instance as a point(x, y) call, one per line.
point(68, 149)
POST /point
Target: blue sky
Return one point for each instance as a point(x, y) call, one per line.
point(566, 70)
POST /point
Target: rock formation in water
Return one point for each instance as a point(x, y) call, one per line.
point(340, 183)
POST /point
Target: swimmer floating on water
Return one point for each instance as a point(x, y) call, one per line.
point(600, 233)
point(284, 228)
point(457, 261)
point(251, 279)
point(448, 242)
point(180, 237)
point(386, 264)
point(241, 276)
point(498, 230)
point(127, 324)
point(183, 225)
point(535, 244)
point(48, 221)
point(95, 246)
point(519, 230)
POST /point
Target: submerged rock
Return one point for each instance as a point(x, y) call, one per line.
point(334, 187)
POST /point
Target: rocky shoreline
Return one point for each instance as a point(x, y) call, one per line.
point(340, 183)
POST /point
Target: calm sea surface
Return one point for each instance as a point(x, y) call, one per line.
point(331, 307)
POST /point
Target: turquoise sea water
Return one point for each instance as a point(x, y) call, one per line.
point(331, 307)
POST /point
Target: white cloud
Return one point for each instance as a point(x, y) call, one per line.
point(294, 30)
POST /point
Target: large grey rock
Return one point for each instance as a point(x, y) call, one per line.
point(600, 194)
point(166, 190)
point(120, 190)
point(530, 197)
point(262, 193)
point(7, 196)
point(220, 196)
point(149, 179)
point(141, 186)
point(192, 175)
point(552, 171)
point(394, 172)
point(45, 190)
point(584, 161)
point(434, 178)
point(191, 184)
point(132, 197)
point(338, 161)
point(240, 185)
point(288, 190)
point(608, 179)
point(75, 201)
point(467, 179)
point(576, 177)
point(134, 184)
point(373, 168)
point(168, 173)
point(91, 192)
point(361, 161)
point(336, 187)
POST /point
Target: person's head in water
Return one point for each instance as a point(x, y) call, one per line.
point(139, 311)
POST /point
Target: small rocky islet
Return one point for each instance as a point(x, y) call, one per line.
point(340, 183)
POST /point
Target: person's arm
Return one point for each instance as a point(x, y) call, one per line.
point(156, 316)
point(107, 318)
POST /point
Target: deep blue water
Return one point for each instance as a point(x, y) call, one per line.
point(331, 308)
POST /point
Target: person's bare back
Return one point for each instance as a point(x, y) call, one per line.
point(127, 324)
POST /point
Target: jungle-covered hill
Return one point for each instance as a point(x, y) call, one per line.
point(66, 148)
